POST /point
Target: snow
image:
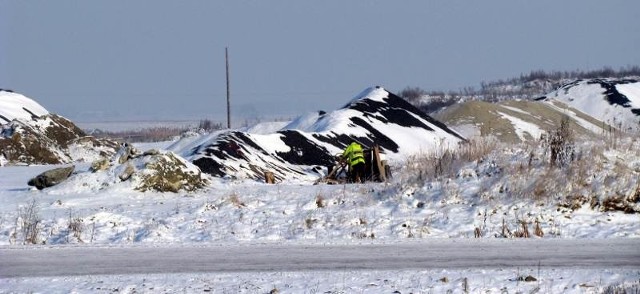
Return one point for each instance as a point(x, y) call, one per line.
point(596, 129)
point(406, 281)
point(589, 97)
point(515, 109)
point(263, 128)
point(374, 93)
point(13, 105)
point(303, 122)
point(521, 127)
point(632, 92)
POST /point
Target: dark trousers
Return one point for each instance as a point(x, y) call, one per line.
point(356, 173)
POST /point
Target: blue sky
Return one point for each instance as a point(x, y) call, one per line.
point(119, 60)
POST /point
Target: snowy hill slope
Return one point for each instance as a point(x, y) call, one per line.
point(30, 134)
point(613, 101)
point(17, 106)
point(517, 121)
point(303, 148)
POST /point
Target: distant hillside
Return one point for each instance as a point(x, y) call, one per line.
point(593, 106)
point(526, 86)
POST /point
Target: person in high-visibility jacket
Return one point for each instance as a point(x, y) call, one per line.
point(355, 158)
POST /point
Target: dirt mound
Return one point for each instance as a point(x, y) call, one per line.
point(305, 149)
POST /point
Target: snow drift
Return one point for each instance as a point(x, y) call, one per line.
point(305, 148)
point(616, 102)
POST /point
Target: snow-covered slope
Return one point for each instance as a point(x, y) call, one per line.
point(305, 147)
point(613, 101)
point(17, 106)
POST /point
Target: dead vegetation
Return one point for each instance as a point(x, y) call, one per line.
point(28, 224)
point(446, 163)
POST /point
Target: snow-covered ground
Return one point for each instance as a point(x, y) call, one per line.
point(491, 195)
point(489, 280)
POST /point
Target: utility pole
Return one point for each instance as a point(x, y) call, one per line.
point(226, 58)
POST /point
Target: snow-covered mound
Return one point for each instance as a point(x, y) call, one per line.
point(129, 169)
point(17, 106)
point(305, 147)
point(616, 102)
point(30, 134)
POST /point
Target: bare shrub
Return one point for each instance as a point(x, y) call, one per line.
point(29, 222)
point(209, 125)
point(412, 94)
point(523, 232)
point(75, 227)
point(561, 144)
point(447, 162)
point(477, 149)
point(506, 233)
point(619, 203)
point(320, 202)
point(538, 230)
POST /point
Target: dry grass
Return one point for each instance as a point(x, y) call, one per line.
point(446, 163)
point(76, 227)
point(523, 232)
point(320, 202)
point(235, 200)
point(538, 230)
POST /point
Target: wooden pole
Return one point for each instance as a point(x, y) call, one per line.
point(382, 173)
point(226, 58)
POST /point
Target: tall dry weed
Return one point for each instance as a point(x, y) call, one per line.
point(29, 222)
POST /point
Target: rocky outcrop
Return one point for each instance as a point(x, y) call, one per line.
point(51, 177)
point(50, 139)
point(29, 134)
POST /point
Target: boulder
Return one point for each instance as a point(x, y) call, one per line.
point(51, 177)
point(125, 153)
point(151, 152)
point(127, 173)
point(167, 172)
point(100, 164)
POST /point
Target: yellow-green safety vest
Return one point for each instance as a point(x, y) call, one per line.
point(354, 154)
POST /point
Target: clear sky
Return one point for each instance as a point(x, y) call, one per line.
point(160, 59)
